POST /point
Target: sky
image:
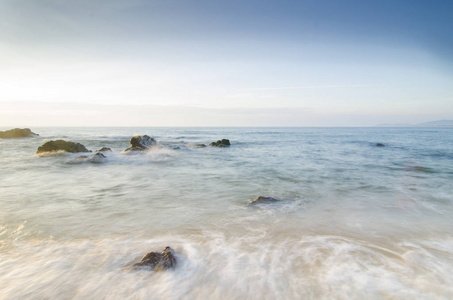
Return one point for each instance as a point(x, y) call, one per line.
point(225, 63)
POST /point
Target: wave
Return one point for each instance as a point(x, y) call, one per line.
point(212, 264)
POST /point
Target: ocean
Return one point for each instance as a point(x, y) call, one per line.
point(354, 221)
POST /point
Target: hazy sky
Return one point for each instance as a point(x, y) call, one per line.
point(225, 63)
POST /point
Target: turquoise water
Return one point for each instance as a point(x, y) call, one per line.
point(355, 221)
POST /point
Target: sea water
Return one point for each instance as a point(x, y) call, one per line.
point(355, 221)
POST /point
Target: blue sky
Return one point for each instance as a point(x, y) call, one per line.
point(225, 63)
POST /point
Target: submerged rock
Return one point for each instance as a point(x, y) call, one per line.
point(380, 145)
point(200, 145)
point(17, 133)
point(133, 149)
point(93, 158)
point(98, 155)
point(158, 261)
point(220, 143)
point(104, 149)
point(60, 145)
point(141, 143)
point(263, 200)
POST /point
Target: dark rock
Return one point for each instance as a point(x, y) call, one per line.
point(380, 145)
point(60, 145)
point(220, 143)
point(17, 133)
point(263, 200)
point(104, 149)
point(141, 143)
point(200, 145)
point(158, 261)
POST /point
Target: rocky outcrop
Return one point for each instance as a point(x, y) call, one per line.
point(17, 133)
point(380, 145)
point(141, 143)
point(61, 145)
point(263, 200)
point(158, 261)
point(220, 143)
point(104, 149)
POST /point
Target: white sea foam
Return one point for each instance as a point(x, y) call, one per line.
point(212, 264)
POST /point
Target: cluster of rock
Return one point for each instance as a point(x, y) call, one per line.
point(17, 133)
point(137, 143)
point(158, 261)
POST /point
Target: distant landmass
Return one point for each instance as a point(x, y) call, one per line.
point(439, 123)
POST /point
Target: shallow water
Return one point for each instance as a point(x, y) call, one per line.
point(355, 221)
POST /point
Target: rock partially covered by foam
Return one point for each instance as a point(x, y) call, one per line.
point(61, 145)
point(221, 143)
point(104, 149)
point(141, 143)
point(263, 200)
point(158, 261)
point(93, 158)
point(17, 133)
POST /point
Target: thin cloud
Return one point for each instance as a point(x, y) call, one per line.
point(311, 87)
